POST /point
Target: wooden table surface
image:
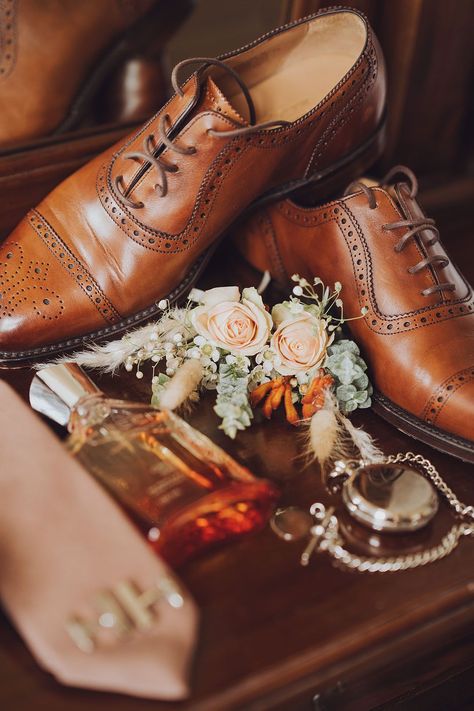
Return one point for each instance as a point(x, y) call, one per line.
point(277, 636)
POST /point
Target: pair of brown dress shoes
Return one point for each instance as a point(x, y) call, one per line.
point(300, 108)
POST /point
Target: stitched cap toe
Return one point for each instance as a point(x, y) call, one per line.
point(40, 301)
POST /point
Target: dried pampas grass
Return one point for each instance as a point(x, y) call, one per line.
point(323, 434)
point(107, 358)
point(135, 345)
point(332, 436)
point(182, 385)
point(361, 440)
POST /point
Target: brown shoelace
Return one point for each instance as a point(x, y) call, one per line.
point(415, 227)
point(151, 147)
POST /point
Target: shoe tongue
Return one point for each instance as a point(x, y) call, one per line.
point(214, 100)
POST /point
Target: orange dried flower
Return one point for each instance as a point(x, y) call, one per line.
point(315, 396)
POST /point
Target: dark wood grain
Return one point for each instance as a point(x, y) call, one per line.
point(275, 635)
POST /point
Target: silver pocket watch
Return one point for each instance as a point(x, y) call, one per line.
point(398, 494)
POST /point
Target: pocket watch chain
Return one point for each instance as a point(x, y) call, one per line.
point(325, 534)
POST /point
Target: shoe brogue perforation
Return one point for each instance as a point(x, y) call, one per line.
point(444, 392)
point(367, 50)
point(153, 120)
point(379, 322)
point(73, 267)
point(343, 115)
point(156, 240)
point(298, 216)
point(8, 49)
point(142, 172)
point(383, 324)
point(181, 135)
point(128, 322)
point(23, 282)
point(271, 244)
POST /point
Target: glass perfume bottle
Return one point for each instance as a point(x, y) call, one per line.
point(184, 491)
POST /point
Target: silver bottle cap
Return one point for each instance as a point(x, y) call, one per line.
point(55, 390)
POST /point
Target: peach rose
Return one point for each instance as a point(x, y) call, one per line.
point(239, 325)
point(300, 343)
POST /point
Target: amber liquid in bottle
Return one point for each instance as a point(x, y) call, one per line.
point(184, 491)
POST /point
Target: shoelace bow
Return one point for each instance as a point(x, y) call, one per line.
point(165, 127)
point(415, 227)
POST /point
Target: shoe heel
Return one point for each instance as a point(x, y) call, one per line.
point(134, 92)
point(252, 233)
point(254, 242)
point(133, 68)
point(322, 185)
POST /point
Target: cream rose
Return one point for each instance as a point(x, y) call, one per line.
point(239, 325)
point(300, 343)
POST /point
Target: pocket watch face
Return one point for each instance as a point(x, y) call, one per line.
point(390, 497)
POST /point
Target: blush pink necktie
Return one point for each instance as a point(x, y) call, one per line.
point(95, 605)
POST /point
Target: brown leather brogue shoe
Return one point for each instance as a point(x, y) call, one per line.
point(55, 57)
point(138, 223)
point(418, 333)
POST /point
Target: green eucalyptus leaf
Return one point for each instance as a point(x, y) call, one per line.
point(361, 382)
point(360, 397)
point(345, 393)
